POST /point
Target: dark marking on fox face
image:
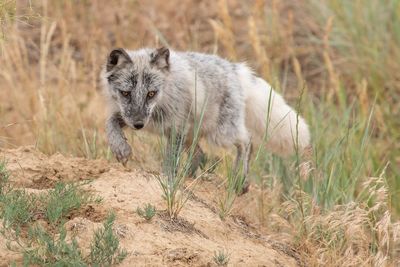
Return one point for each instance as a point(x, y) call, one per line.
point(134, 79)
point(112, 78)
point(149, 79)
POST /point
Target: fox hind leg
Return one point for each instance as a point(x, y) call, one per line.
point(244, 150)
point(185, 143)
point(197, 159)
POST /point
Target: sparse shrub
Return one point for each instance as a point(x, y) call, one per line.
point(17, 208)
point(105, 250)
point(147, 212)
point(50, 247)
point(63, 199)
point(46, 249)
point(221, 258)
point(52, 250)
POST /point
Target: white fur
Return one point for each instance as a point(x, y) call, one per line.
point(286, 130)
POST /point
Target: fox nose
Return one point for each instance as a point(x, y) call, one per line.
point(138, 125)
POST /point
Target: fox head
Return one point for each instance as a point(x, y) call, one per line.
point(135, 82)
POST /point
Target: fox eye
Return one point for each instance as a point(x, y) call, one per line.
point(125, 93)
point(151, 94)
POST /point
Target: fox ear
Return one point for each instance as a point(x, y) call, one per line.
point(160, 58)
point(117, 57)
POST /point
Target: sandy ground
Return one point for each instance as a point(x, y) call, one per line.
point(190, 240)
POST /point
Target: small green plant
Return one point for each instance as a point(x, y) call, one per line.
point(105, 250)
point(147, 212)
point(63, 199)
point(17, 208)
point(52, 250)
point(221, 257)
point(234, 186)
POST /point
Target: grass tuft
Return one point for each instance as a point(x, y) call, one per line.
point(181, 141)
point(221, 258)
point(234, 184)
point(147, 212)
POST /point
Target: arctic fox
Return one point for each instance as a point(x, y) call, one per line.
point(160, 88)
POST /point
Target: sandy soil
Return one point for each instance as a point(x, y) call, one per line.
point(188, 241)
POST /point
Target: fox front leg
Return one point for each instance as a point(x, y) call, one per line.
point(116, 138)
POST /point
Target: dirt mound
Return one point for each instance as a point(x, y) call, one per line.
point(190, 240)
point(33, 169)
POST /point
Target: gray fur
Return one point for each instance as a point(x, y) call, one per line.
point(116, 138)
point(184, 83)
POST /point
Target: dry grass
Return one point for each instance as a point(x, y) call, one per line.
point(343, 55)
point(359, 233)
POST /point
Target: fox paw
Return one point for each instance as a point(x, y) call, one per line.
point(243, 189)
point(122, 152)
